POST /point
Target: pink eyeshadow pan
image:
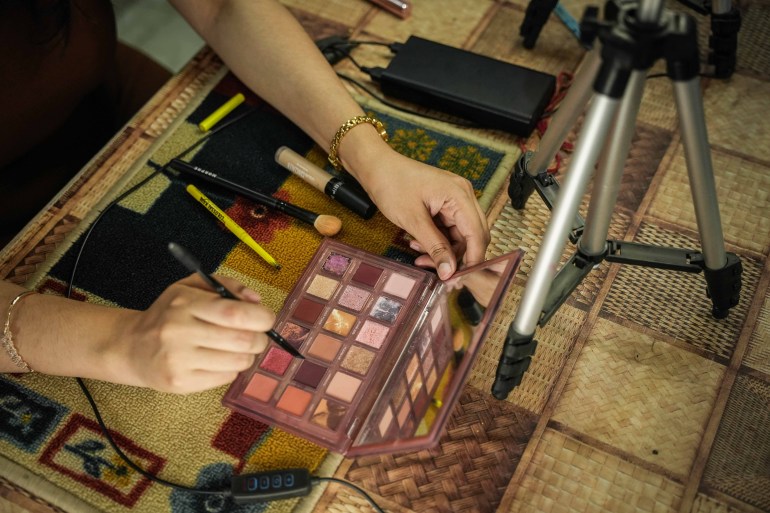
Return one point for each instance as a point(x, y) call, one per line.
point(324, 348)
point(399, 285)
point(261, 387)
point(276, 361)
point(354, 298)
point(372, 334)
point(294, 400)
point(343, 386)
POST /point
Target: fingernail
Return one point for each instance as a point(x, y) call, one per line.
point(444, 270)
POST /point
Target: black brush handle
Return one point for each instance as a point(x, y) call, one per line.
point(260, 197)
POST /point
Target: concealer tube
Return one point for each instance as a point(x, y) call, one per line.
point(350, 196)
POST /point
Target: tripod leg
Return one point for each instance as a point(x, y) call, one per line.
point(592, 245)
point(722, 270)
point(594, 132)
point(530, 172)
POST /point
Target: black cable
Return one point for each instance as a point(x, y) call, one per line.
point(360, 490)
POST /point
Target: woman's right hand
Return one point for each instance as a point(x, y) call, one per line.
point(191, 339)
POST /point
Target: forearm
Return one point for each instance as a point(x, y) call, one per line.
point(62, 337)
point(270, 52)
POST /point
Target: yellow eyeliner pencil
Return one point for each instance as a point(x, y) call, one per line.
point(221, 112)
point(231, 225)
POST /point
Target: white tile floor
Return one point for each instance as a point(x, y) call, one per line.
point(154, 27)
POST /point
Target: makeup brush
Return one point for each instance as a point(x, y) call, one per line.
point(326, 225)
point(191, 263)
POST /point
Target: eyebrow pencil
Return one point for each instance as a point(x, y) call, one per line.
point(193, 265)
point(326, 225)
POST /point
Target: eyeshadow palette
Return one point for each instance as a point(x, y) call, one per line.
point(387, 350)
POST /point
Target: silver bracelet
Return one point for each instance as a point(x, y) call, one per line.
point(7, 340)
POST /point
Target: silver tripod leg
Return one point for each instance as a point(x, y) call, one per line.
point(593, 242)
point(692, 125)
point(594, 132)
point(572, 106)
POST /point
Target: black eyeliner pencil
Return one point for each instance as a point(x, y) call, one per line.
point(192, 264)
point(325, 224)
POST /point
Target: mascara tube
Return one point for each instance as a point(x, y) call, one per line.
point(350, 196)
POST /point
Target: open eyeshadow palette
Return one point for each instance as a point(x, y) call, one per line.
point(387, 348)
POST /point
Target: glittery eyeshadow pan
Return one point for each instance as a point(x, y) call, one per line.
point(354, 298)
point(322, 287)
point(358, 360)
point(386, 309)
point(276, 361)
point(339, 322)
point(336, 264)
point(294, 334)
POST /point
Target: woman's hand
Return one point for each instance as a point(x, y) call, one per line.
point(191, 339)
point(436, 207)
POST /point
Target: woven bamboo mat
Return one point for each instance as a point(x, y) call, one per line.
point(637, 399)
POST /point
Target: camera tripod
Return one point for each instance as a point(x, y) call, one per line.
point(634, 35)
point(723, 40)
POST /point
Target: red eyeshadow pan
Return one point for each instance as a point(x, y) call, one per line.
point(276, 361)
point(367, 274)
point(310, 374)
point(308, 310)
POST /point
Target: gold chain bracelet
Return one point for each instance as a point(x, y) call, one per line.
point(346, 127)
point(7, 340)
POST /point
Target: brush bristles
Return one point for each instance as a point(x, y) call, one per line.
point(327, 225)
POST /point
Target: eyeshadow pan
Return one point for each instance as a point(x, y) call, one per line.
point(329, 414)
point(358, 360)
point(386, 309)
point(431, 379)
point(310, 374)
point(399, 285)
point(294, 334)
point(276, 361)
point(260, 387)
point(294, 400)
point(308, 310)
point(416, 387)
point(367, 274)
point(372, 334)
point(336, 264)
point(411, 369)
point(324, 347)
point(385, 421)
point(339, 322)
point(343, 386)
point(353, 298)
point(322, 287)
point(403, 413)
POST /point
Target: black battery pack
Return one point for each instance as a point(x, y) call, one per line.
point(489, 92)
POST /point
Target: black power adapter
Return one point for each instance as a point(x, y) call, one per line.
point(487, 91)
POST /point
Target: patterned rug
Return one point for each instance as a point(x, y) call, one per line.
point(47, 427)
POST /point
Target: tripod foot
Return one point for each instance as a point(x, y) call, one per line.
point(514, 362)
point(723, 286)
point(521, 184)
